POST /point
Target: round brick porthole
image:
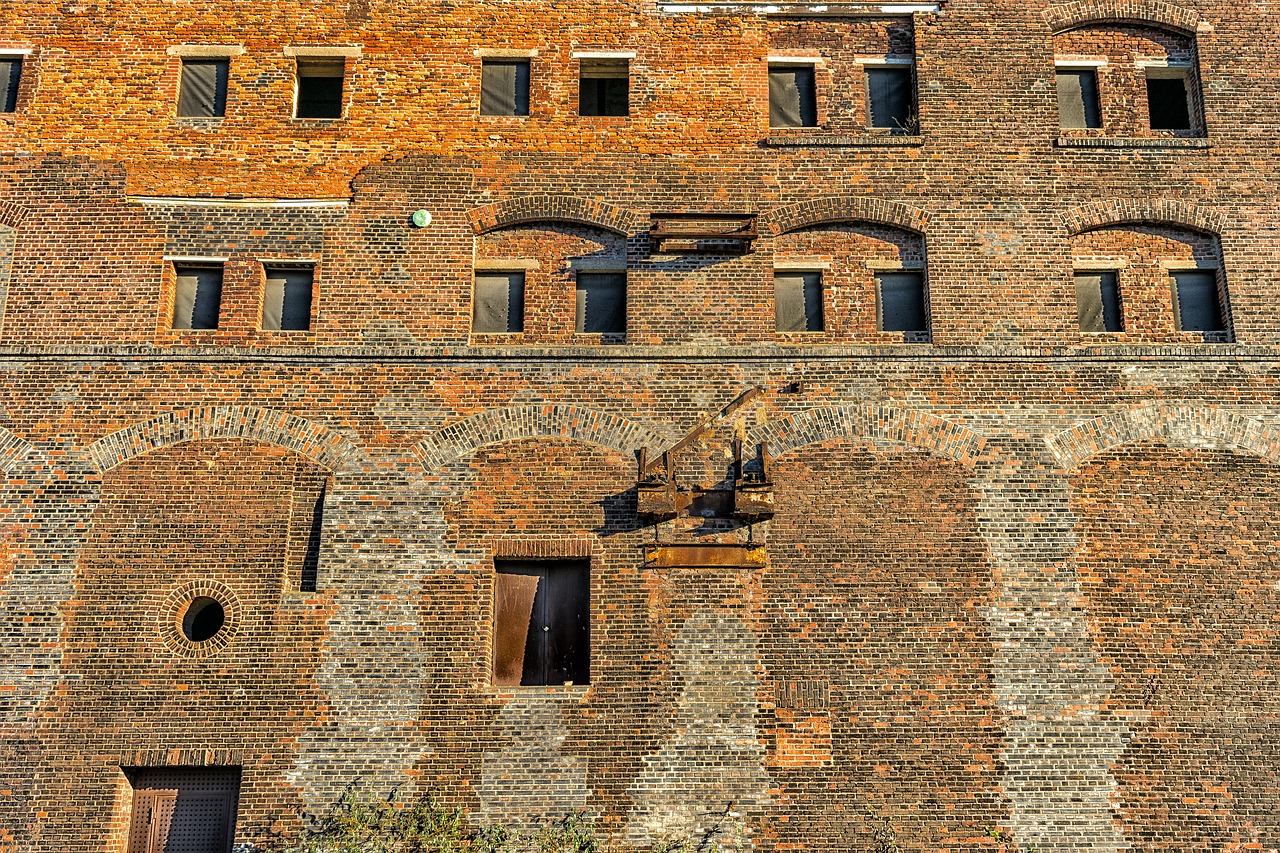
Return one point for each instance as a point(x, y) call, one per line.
point(199, 618)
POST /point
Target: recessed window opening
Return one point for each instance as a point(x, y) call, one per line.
point(10, 77)
point(197, 296)
point(1197, 301)
point(1098, 301)
point(203, 620)
point(604, 87)
point(1168, 98)
point(183, 809)
point(319, 88)
point(891, 98)
point(542, 622)
point(286, 298)
point(793, 96)
point(203, 91)
point(1079, 104)
point(504, 87)
point(601, 302)
point(798, 301)
point(900, 303)
point(498, 303)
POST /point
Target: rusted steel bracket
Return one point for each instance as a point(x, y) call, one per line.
point(752, 490)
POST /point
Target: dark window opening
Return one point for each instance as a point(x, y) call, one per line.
point(10, 77)
point(793, 96)
point(1078, 101)
point(601, 302)
point(900, 302)
point(1098, 302)
point(891, 99)
point(797, 301)
point(499, 302)
point(197, 297)
point(203, 92)
point(309, 580)
point(1167, 101)
point(542, 622)
point(504, 88)
point(604, 87)
point(320, 88)
point(183, 809)
point(203, 620)
point(1197, 301)
point(286, 299)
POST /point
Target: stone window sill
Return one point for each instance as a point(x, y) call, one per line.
point(1183, 142)
point(818, 139)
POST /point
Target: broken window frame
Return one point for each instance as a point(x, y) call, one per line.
point(517, 280)
point(812, 291)
point(187, 95)
point(920, 335)
point(16, 62)
point(1183, 71)
point(520, 84)
point(908, 125)
point(1224, 333)
point(557, 633)
point(1109, 301)
point(588, 280)
point(806, 101)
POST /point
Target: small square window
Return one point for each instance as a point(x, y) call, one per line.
point(504, 87)
point(197, 296)
point(891, 101)
point(320, 88)
point(204, 88)
point(601, 302)
point(1098, 302)
point(183, 808)
point(797, 301)
point(10, 77)
point(900, 303)
point(1168, 100)
point(1197, 301)
point(286, 299)
point(604, 87)
point(542, 622)
point(793, 96)
point(499, 302)
point(1078, 101)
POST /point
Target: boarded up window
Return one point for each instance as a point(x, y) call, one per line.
point(499, 302)
point(900, 302)
point(604, 87)
point(891, 98)
point(1197, 303)
point(797, 300)
point(601, 302)
point(504, 88)
point(320, 88)
point(793, 96)
point(286, 299)
point(1078, 103)
point(197, 297)
point(1098, 302)
point(542, 622)
point(183, 809)
point(10, 75)
point(1167, 99)
point(204, 88)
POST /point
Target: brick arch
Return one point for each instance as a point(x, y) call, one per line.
point(12, 214)
point(1068, 16)
point(887, 423)
point(1192, 426)
point(13, 449)
point(838, 208)
point(561, 208)
point(1089, 217)
point(461, 439)
point(318, 443)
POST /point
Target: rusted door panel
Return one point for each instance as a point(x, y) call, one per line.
point(513, 598)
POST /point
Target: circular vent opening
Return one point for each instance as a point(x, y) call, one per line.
point(203, 620)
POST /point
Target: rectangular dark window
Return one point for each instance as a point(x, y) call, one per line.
point(601, 302)
point(183, 809)
point(204, 88)
point(10, 77)
point(542, 622)
point(1197, 302)
point(197, 296)
point(797, 301)
point(499, 302)
point(1078, 102)
point(793, 96)
point(1167, 100)
point(1098, 302)
point(604, 87)
point(286, 299)
point(900, 305)
point(320, 88)
point(891, 101)
point(504, 87)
